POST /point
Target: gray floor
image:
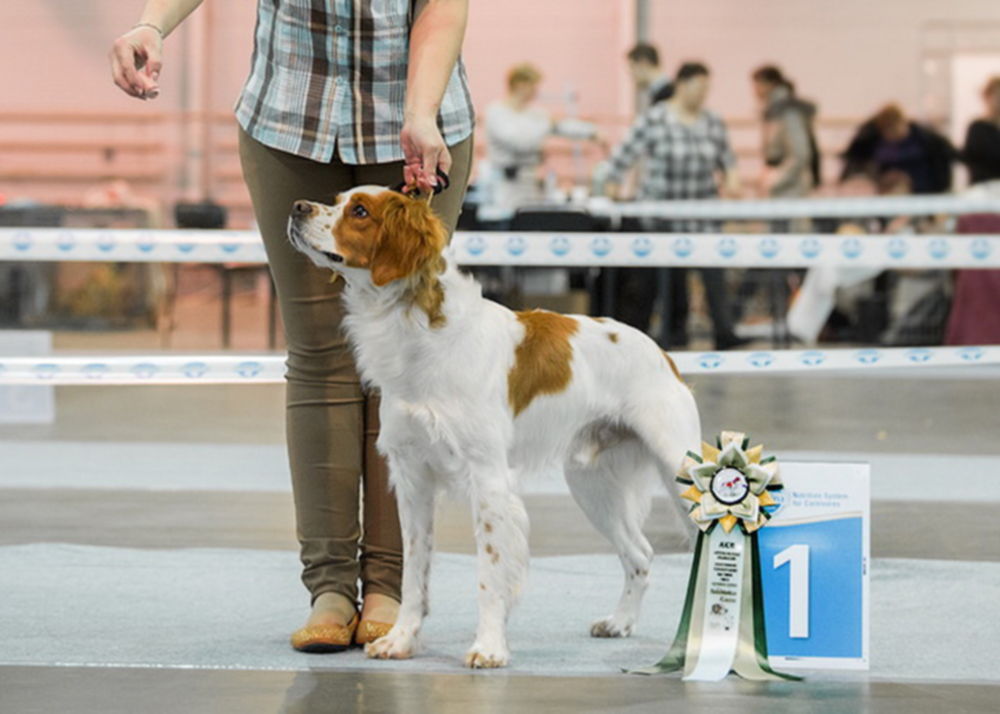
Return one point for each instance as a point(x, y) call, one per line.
point(910, 423)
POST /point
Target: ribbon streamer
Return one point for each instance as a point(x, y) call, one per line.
point(722, 624)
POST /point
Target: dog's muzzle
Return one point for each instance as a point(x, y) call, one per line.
point(301, 211)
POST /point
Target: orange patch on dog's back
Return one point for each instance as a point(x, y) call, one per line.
point(673, 367)
point(542, 359)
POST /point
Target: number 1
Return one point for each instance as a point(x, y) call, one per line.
point(798, 588)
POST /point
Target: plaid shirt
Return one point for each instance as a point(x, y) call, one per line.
point(330, 76)
point(678, 160)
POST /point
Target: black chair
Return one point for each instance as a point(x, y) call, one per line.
point(208, 215)
point(22, 277)
point(567, 219)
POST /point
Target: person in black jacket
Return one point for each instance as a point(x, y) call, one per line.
point(889, 141)
point(649, 78)
point(982, 141)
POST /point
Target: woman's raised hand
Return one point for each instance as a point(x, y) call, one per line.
point(136, 58)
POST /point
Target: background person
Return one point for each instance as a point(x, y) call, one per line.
point(651, 82)
point(685, 154)
point(982, 140)
point(890, 141)
point(516, 131)
point(351, 127)
point(789, 142)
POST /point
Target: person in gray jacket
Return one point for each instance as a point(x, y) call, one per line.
point(789, 142)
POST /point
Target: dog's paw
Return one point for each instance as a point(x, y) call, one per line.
point(486, 656)
point(612, 626)
point(393, 645)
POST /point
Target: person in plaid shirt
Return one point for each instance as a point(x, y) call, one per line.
point(340, 93)
point(685, 154)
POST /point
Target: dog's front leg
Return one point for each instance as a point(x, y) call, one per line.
point(415, 499)
point(501, 525)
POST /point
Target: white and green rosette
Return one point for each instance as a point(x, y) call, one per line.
point(722, 626)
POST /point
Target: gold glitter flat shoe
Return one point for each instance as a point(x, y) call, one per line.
point(320, 639)
point(370, 630)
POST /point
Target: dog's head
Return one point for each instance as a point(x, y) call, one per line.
point(372, 229)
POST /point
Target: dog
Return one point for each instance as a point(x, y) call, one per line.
point(476, 398)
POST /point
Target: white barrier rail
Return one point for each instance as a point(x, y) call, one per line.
point(535, 249)
point(269, 368)
point(789, 208)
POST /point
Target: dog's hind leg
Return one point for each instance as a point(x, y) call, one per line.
point(501, 529)
point(613, 490)
point(415, 498)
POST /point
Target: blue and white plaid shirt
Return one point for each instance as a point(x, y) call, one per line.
point(329, 76)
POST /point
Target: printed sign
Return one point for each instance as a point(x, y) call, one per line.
point(814, 556)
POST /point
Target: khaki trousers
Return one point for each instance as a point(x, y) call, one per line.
point(331, 423)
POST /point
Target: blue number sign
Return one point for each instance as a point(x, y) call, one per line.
point(814, 567)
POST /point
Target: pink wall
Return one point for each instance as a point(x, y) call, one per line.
point(849, 55)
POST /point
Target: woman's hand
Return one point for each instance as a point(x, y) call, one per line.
point(136, 58)
point(424, 152)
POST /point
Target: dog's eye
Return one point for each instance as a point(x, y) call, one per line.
point(359, 211)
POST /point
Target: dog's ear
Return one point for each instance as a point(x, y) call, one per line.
point(410, 237)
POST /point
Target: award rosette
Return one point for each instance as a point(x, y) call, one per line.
point(722, 625)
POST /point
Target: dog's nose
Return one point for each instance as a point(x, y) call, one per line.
point(302, 209)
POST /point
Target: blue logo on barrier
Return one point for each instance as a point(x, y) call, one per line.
point(475, 244)
point(560, 245)
point(810, 247)
point(249, 369)
point(851, 248)
point(46, 371)
point(919, 355)
point(145, 243)
point(95, 370)
point(938, 248)
point(194, 369)
point(710, 360)
point(185, 247)
point(516, 245)
point(897, 248)
point(768, 247)
point(642, 246)
point(683, 247)
point(971, 354)
point(230, 247)
point(66, 241)
point(761, 359)
point(868, 356)
point(813, 358)
point(144, 370)
point(600, 246)
point(105, 242)
point(980, 249)
point(22, 240)
point(727, 247)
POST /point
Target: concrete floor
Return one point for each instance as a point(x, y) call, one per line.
point(899, 415)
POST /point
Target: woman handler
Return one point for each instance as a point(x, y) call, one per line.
point(340, 93)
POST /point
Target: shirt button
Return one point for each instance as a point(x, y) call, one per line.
point(339, 29)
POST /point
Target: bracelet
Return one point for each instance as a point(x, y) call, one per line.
point(148, 24)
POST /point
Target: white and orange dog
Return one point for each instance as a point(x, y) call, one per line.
point(476, 397)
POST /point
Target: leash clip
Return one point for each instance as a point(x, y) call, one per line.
point(442, 185)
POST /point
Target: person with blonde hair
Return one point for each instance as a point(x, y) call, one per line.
point(516, 131)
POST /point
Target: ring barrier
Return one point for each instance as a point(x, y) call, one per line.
point(269, 368)
point(788, 208)
point(535, 248)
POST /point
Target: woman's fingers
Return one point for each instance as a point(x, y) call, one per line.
point(118, 75)
point(136, 60)
point(444, 160)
